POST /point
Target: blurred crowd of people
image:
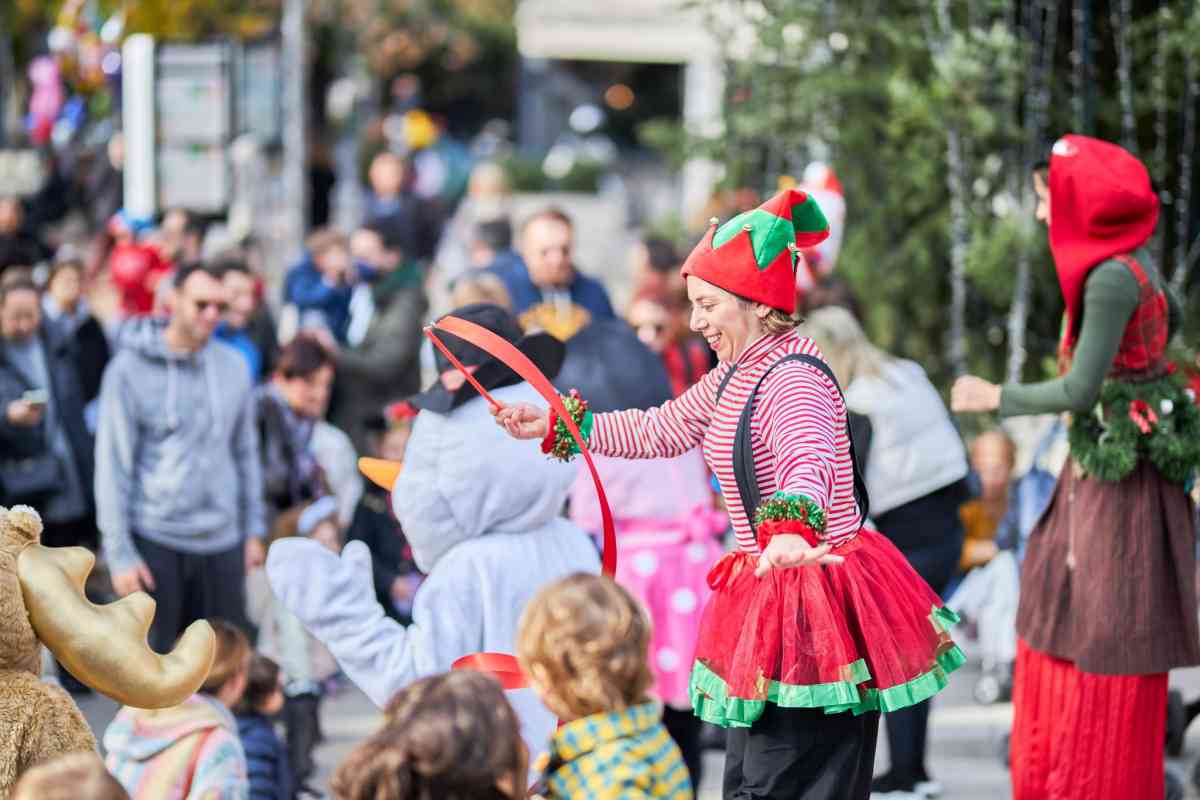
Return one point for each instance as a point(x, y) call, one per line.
point(157, 408)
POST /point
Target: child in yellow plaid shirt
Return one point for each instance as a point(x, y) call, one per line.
point(583, 642)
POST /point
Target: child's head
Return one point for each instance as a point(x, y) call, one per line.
point(993, 455)
point(74, 776)
point(394, 429)
point(330, 251)
point(227, 679)
point(319, 522)
point(450, 737)
point(264, 692)
point(583, 641)
point(478, 286)
point(66, 280)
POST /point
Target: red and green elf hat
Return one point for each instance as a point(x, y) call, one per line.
point(755, 254)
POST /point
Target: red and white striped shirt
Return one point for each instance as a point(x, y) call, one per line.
point(798, 432)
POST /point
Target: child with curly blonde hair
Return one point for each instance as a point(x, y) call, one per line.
point(583, 642)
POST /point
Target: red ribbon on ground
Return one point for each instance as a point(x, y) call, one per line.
point(503, 666)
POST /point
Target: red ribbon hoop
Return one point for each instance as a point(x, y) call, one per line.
point(503, 666)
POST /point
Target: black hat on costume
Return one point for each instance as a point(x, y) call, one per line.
point(613, 369)
point(542, 349)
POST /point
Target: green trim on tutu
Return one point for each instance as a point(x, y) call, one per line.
point(712, 703)
point(909, 693)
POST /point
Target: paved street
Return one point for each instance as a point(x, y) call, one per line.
point(965, 738)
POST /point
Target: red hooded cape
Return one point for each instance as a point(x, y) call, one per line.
point(1101, 205)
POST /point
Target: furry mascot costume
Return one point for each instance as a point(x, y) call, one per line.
point(42, 602)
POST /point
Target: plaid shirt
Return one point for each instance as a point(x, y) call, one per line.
point(624, 754)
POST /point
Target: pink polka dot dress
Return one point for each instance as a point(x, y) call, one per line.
point(669, 537)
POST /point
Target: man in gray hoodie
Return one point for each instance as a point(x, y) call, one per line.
point(178, 477)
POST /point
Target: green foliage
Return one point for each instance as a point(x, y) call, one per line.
point(872, 87)
point(527, 175)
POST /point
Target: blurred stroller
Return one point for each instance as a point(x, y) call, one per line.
point(987, 597)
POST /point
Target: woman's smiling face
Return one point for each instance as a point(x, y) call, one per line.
point(727, 324)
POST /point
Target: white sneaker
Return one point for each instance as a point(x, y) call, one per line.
point(929, 788)
point(898, 794)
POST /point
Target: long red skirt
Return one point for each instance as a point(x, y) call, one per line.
point(1081, 736)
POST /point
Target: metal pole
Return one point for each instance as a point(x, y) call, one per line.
point(138, 121)
point(295, 128)
point(7, 74)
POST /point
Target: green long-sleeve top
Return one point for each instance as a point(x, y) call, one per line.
point(1111, 295)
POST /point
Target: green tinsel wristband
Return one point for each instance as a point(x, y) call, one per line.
point(783, 506)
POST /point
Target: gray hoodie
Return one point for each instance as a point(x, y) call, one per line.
point(177, 457)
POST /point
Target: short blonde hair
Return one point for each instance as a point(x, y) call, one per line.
point(324, 239)
point(73, 776)
point(479, 287)
point(775, 321)
point(584, 641)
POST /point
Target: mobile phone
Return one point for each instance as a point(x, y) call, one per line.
point(36, 397)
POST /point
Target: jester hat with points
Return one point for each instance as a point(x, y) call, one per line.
point(755, 254)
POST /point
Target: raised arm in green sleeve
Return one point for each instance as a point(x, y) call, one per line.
point(1109, 300)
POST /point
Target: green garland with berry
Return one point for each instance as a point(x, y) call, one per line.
point(1156, 419)
point(559, 443)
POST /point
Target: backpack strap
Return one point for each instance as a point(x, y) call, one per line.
point(743, 449)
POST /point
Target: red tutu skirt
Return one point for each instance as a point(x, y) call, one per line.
point(864, 635)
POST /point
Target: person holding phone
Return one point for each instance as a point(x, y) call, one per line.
point(45, 447)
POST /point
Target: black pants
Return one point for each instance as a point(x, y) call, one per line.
point(802, 754)
point(906, 731)
point(72, 533)
point(191, 586)
point(685, 727)
point(929, 533)
point(301, 719)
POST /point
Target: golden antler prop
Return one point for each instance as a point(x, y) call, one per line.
point(105, 646)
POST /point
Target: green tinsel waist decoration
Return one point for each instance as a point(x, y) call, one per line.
point(1157, 420)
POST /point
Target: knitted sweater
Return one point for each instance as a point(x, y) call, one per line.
point(798, 433)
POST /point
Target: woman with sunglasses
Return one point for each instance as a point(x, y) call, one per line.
point(661, 323)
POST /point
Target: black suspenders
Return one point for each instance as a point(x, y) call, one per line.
point(743, 450)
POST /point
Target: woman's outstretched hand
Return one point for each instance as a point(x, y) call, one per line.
point(974, 394)
point(787, 550)
point(523, 421)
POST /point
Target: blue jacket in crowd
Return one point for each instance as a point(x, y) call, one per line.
point(306, 288)
point(266, 759)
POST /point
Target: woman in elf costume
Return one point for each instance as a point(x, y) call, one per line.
point(797, 662)
point(1108, 601)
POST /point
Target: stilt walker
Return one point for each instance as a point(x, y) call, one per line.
point(1108, 600)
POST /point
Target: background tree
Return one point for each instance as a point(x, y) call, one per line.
point(932, 114)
